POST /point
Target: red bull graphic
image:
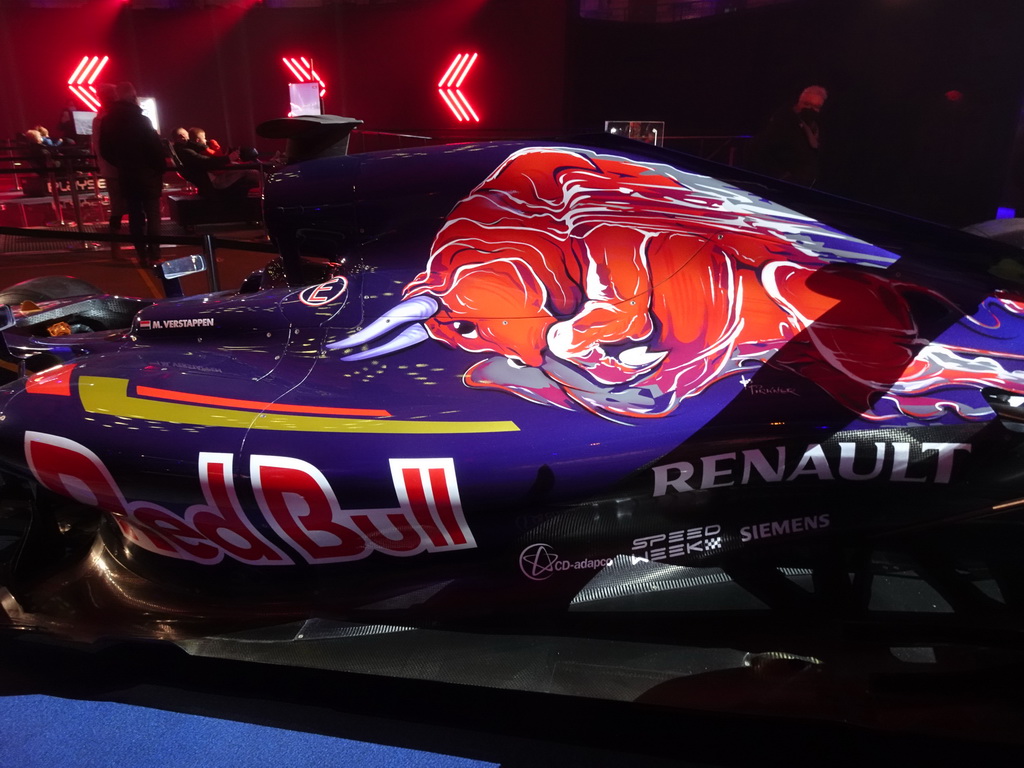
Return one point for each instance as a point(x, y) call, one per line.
point(296, 503)
point(625, 289)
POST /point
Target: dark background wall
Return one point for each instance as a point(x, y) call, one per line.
point(893, 136)
point(220, 67)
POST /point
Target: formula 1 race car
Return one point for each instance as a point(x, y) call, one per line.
point(489, 383)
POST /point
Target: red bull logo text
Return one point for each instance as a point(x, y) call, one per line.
point(297, 506)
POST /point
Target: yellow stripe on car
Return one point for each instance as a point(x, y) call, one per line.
point(103, 395)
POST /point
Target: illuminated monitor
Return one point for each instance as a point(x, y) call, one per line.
point(83, 122)
point(648, 131)
point(148, 104)
point(304, 99)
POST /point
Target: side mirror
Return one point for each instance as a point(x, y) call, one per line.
point(10, 366)
point(6, 317)
point(172, 269)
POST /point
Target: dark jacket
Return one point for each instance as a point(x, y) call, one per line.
point(196, 164)
point(129, 143)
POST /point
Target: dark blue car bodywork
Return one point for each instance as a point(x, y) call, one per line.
point(254, 457)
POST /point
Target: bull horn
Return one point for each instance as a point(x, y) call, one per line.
point(413, 310)
point(409, 337)
point(409, 311)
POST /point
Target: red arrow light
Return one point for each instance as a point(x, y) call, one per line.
point(449, 87)
point(81, 82)
point(302, 68)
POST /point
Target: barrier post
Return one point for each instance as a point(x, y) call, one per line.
point(209, 251)
point(51, 179)
point(76, 203)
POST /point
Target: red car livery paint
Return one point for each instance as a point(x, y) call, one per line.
point(631, 292)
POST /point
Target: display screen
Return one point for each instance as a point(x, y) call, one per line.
point(148, 104)
point(304, 99)
point(83, 122)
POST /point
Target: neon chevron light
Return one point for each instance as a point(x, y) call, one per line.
point(450, 88)
point(81, 81)
point(303, 69)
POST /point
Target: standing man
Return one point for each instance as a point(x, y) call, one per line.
point(107, 94)
point(789, 148)
point(129, 143)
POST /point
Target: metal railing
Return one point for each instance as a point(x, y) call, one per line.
point(71, 173)
point(206, 242)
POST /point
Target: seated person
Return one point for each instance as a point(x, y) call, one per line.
point(212, 174)
point(45, 135)
point(179, 138)
point(41, 158)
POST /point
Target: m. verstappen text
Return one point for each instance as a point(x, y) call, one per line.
point(893, 462)
point(294, 498)
point(177, 322)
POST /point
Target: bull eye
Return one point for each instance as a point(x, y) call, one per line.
point(465, 328)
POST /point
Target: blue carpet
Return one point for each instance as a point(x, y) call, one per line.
point(43, 732)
